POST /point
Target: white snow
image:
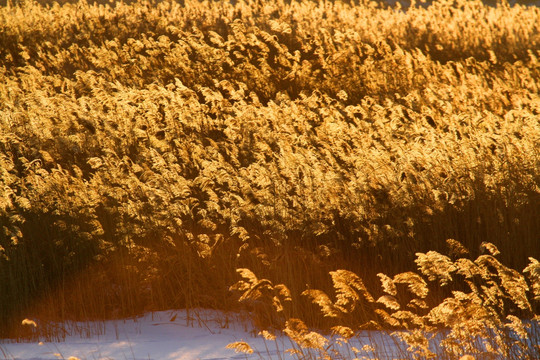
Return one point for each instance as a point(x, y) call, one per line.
point(178, 335)
point(197, 334)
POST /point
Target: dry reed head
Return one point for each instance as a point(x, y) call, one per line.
point(240, 347)
point(435, 266)
point(297, 331)
point(29, 322)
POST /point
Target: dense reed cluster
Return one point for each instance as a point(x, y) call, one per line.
point(149, 149)
point(493, 318)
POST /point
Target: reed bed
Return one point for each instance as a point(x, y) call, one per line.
point(150, 149)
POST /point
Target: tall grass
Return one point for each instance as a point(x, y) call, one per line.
point(494, 315)
point(147, 150)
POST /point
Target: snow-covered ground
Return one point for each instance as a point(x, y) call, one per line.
point(195, 334)
point(175, 335)
point(198, 334)
point(178, 334)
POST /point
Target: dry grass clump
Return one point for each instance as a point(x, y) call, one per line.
point(150, 149)
point(493, 316)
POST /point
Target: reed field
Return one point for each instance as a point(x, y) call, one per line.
point(272, 156)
